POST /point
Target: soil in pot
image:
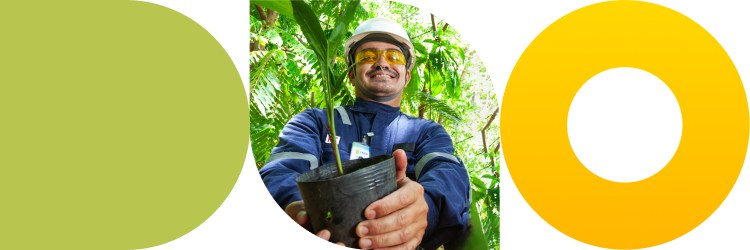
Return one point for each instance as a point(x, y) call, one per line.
point(338, 203)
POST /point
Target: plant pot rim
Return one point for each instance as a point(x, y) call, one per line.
point(375, 163)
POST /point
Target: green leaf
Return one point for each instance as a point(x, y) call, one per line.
point(437, 83)
point(273, 37)
point(292, 67)
point(340, 79)
point(437, 61)
point(448, 55)
point(451, 84)
point(479, 184)
point(489, 176)
point(347, 99)
point(419, 48)
point(263, 41)
point(435, 46)
point(461, 53)
point(339, 30)
point(263, 81)
point(477, 196)
point(457, 83)
point(310, 27)
point(414, 82)
point(477, 237)
point(284, 7)
point(435, 103)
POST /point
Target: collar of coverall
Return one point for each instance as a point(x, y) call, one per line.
point(360, 105)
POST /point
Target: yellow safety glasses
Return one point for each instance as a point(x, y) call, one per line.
point(392, 56)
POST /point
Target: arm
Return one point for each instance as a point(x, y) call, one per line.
point(297, 151)
point(446, 186)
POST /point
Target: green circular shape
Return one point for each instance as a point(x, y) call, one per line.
point(123, 125)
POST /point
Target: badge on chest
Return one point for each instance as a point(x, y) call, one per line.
point(360, 150)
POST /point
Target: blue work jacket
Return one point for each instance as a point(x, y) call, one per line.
point(429, 149)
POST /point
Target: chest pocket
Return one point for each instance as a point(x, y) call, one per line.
point(406, 136)
point(327, 154)
point(408, 148)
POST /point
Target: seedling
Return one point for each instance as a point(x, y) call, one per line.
point(325, 50)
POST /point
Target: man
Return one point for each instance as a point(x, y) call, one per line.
point(432, 204)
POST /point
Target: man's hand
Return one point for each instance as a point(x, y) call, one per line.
point(325, 234)
point(296, 211)
point(398, 220)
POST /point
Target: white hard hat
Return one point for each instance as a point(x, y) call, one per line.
point(381, 25)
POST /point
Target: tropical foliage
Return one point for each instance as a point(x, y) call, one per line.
point(448, 84)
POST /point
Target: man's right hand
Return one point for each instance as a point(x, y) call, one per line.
point(296, 211)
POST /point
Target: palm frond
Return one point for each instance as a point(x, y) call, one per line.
point(436, 104)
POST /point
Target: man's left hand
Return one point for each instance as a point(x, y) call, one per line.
point(399, 220)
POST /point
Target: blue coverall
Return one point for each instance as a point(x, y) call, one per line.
point(302, 146)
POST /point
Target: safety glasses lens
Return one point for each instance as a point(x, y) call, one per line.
point(367, 56)
point(393, 57)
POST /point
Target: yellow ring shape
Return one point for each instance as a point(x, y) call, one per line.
point(583, 205)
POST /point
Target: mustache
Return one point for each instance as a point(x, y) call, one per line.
point(373, 71)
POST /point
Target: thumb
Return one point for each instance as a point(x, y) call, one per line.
point(400, 157)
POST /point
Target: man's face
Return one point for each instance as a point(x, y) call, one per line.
point(380, 78)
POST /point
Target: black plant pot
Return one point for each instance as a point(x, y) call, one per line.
point(338, 203)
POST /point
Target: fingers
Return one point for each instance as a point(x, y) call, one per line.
point(296, 211)
point(411, 235)
point(400, 157)
point(304, 221)
point(326, 235)
point(394, 221)
point(402, 197)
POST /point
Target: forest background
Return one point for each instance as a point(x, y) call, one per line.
point(449, 85)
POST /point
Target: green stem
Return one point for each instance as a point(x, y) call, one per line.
point(328, 84)
point(334, 142)
point(329, 109)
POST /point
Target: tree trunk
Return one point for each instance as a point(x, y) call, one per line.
point(497, 147)
point(484, 134)
point(312, 99)
point(261, 13)
point(465, 71)
point(434, 28)
point(254, 44)
point(423, 107)
point(271, 19)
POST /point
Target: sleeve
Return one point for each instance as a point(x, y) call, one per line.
point(446, 186)
point(297, 151)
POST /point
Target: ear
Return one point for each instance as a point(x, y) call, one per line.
point(408, 78)
point(351, 75)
